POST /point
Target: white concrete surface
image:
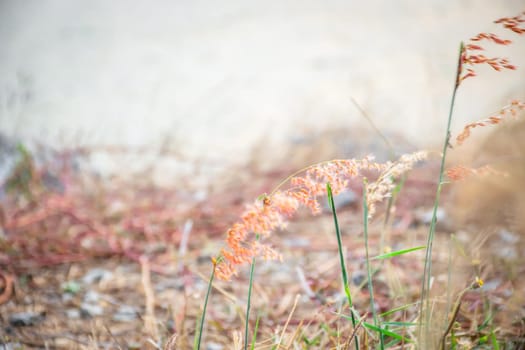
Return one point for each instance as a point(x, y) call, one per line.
point(213, 78)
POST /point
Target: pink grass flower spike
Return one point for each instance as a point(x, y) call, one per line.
point(511, 109)
point(272, 212)
point(471, 58)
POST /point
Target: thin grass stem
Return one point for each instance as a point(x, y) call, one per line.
point(369, 268)
point(449, 281)
point(197, 346)
point(342, 260)
point(391, 201)
point(364, 114)
point(476, 284)
point(425, 285)
point(248, 303)
point(254, 336)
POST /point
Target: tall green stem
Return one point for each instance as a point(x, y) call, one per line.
point(249, 302)
point(342, 260)
point(197, 346)
point(425, 285)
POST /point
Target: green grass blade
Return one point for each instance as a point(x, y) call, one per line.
point(399, 308)
point(400, 324)
point(254, 336)
point(249, 301)
point(495, 344)
point(344, 274)
point(427, 270)
point(397, 252)
point(196, 339)
point(197, 346)
point(248, 305)
point(453, 340)
point(387, 332)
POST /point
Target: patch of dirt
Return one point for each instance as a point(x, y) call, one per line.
point(124, 265)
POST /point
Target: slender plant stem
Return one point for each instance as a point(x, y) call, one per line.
point(342, 260)
point(201, 327)
point(248, 303)
point(455, 312)
point(391, 201)
point(364, 114)
point(425, 285)
point(368, 266)
point(449, 279)
point(254, 337)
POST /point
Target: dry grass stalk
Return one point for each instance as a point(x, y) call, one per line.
point(288, 320)
point(354, 332)
point(171, 344)
point(237, 340)
point(6, 287)
point(150, 321)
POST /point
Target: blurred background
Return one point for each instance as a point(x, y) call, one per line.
point(211, 82)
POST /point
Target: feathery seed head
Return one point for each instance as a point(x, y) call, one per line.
point(461, 172)
point(271, 212)
point(511, 109)
point(382, 188)
point(469, 58)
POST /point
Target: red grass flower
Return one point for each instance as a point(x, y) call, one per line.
point(513, 108)
point(469, 59)
point(271, 212)
point(516, 24)
point(461, 172)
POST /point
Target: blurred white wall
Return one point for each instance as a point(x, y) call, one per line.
point(213, 78)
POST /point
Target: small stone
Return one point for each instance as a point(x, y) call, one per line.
point(23, 319)
point(96, 275)
point(426, 216)
point(491, 285)
point(214, 346)
point(443, 221)
point(125, 314)
point(508, 237)
point(91, 297)
point(358, 278)
point(296, 242)
point(91, 310)
point(73, 313)
point(200, 196)
point(67, 297)
point(508, 253)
